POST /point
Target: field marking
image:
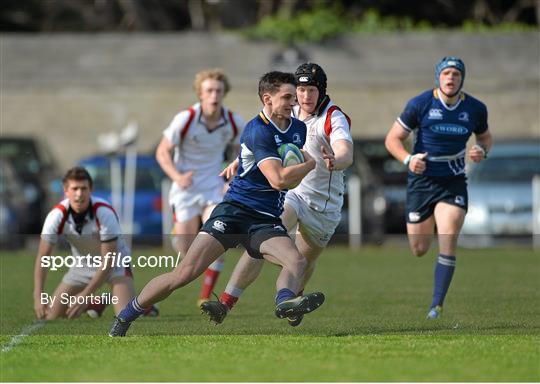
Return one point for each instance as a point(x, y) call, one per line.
point(15, 340)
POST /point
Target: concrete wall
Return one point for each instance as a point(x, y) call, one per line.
point(67, 89)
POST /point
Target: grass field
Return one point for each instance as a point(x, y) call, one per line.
point(371, 328)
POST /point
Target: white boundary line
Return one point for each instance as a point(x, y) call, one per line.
point(15, 340)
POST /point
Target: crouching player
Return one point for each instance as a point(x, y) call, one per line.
point(91, 228)
point(314, 207)
point(442, 120)
point(250, 211)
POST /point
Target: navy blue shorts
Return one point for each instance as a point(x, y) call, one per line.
point(232, 224)
point(424, 192)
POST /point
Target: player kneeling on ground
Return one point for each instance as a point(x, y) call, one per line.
point(91, 228)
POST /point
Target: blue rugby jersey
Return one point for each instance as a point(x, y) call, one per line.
point(259, 142)
point(443, 131)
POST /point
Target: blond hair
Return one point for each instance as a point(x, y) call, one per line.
point(214, 73)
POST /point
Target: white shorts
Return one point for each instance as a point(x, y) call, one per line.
point(187, 204)
point(80, 277)
point(318, 227)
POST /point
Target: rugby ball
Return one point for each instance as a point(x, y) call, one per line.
point(290, 154)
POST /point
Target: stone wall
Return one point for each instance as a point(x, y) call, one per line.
point(67, 89)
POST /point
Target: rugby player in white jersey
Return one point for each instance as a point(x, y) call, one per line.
point(314, 207)
point(91, 227)
point(191, 154)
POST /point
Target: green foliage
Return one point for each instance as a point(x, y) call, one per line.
point(324, 22)
point(315, 25)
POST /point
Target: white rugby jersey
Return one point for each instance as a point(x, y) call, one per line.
point(199, 149)
point(101, 225)
point(322, 189)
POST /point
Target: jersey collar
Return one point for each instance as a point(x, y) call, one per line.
point(200, 120)
point(269, 121)
point(447, 107)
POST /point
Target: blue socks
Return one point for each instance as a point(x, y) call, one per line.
point(132, 311)
point(283, 295)
point(444, 270)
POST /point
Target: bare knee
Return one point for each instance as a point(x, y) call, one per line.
point(419, 249)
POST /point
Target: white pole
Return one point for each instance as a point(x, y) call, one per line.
point(166, 213)
point(129, 140)
point(355, 211)
point(116, 184)
point(536, 211)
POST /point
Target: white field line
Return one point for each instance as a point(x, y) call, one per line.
point(15, 340)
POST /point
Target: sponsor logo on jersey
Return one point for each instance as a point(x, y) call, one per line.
point(279, 227)
point(278, 140)
point(435, 114)
point(463, 116)
point(449, 129)
point(414, 216)
point(219, 226)
point(459, 200)
point(297, 140)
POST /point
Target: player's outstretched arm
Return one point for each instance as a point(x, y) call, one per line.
point(107, 248)
point(281, 178)
point(40, 275)
point(343, 155)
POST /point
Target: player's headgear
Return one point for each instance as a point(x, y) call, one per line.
point(450, 62)
point(312, 74)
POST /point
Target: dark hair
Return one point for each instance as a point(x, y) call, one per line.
point(271, 81)
point(79, 174)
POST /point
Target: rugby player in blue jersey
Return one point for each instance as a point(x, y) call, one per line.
point(442, 119)
point(250, 211)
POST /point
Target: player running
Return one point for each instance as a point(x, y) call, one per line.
point(314, 207)
point(442, 120)
point(250, 212)
point(91, 227)
point(198, 137)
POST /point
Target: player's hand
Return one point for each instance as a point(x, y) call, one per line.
point(230, 170)
point(418, 163)
point(328, 157)
point(76, 309)
point(185, 180)
point(308, 159)
point(477, 153)
point(39, 309)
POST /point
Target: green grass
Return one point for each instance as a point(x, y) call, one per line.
point(371, 328)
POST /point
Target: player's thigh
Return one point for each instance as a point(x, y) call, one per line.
point(449, 218)
point(307, 248)
point(204, 250)
point(420, 235)
point(123, 289)
point(207, 211)
point(289, 217)
point(62, 294)
point(185, 232)
point(282, 251)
